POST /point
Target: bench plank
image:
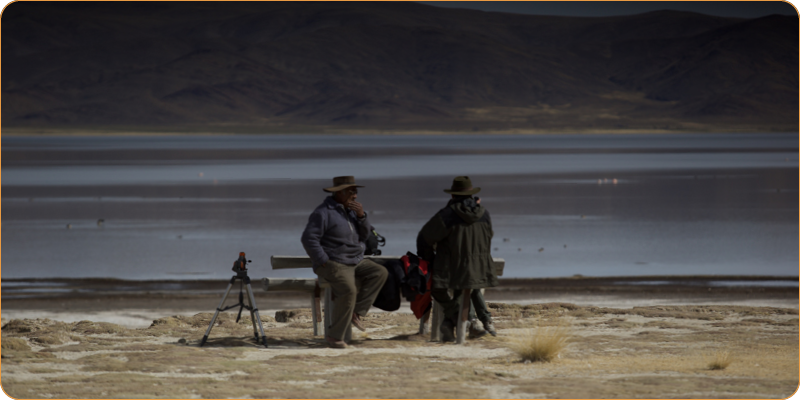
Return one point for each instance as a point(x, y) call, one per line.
point(293, 262)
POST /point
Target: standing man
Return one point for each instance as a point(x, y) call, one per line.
point(457, 243)
point(334, 240)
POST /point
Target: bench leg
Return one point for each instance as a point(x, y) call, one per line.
point(315, 317)
point(463, 317)
point(436, 323)
point(318, 307)
point(328, 310)
point(424, 323)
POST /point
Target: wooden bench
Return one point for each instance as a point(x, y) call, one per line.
point(315, 287)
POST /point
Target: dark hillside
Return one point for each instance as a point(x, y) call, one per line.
point(743, 70)
point(390, 66)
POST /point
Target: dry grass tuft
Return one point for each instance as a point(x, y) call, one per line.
point(720, 360)
point(543, 343)
point(11, 343)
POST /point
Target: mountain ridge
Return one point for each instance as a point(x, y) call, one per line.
point(391, 66)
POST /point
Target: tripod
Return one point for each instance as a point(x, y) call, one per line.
point(241, 275)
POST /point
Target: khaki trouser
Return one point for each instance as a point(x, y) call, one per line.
point(355, 288)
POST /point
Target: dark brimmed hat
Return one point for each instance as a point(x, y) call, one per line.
point(462, 186)
point(341, 183)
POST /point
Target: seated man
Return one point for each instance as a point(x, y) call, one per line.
point(334, 240)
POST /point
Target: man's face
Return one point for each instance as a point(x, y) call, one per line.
point(346, 196)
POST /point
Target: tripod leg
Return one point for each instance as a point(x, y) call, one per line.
point(219, 308)
point(241, 306)
point(258, 318)
point(251, 306)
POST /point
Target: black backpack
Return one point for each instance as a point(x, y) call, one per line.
point(373, 241)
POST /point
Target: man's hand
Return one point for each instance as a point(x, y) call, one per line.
point(357, 207)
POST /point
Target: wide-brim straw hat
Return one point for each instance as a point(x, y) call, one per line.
point(462, 186)
point(341, 183)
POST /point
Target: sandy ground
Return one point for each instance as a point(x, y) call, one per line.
point(620, 344)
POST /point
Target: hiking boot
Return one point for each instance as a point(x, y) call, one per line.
point(489, 326)
point(335, 343)
point(476, 331)
point(357, 323)
point(446, 330)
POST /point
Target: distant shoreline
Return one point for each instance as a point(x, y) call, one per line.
point(320, 130)
point(47, 293)
point(632, 282)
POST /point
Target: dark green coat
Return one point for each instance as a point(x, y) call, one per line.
point(458, 240)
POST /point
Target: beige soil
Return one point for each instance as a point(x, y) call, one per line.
point(639, 352)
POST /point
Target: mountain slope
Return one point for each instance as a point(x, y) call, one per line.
point(390, 66)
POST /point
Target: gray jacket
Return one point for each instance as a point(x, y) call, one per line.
point(335, 233)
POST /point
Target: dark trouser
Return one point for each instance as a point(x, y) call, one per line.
point(478, 306)
point(450, 304)
point(355, 288)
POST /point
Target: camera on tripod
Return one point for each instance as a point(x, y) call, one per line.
point(240, 265)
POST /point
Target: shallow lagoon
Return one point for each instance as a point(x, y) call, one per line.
point(682, 204)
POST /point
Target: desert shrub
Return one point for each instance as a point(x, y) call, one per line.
point(759, 320)
point(543, 343)
point(720, 360)
point(201, 320)
point(15, 344)
point(582, 313)
point(167, 321)
point(19, 326)
point(620, 323)
point(23, 327)
point(95, 328)
point(296, 315)
point(516, 311)
point(48, 339)
point(556, 306)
